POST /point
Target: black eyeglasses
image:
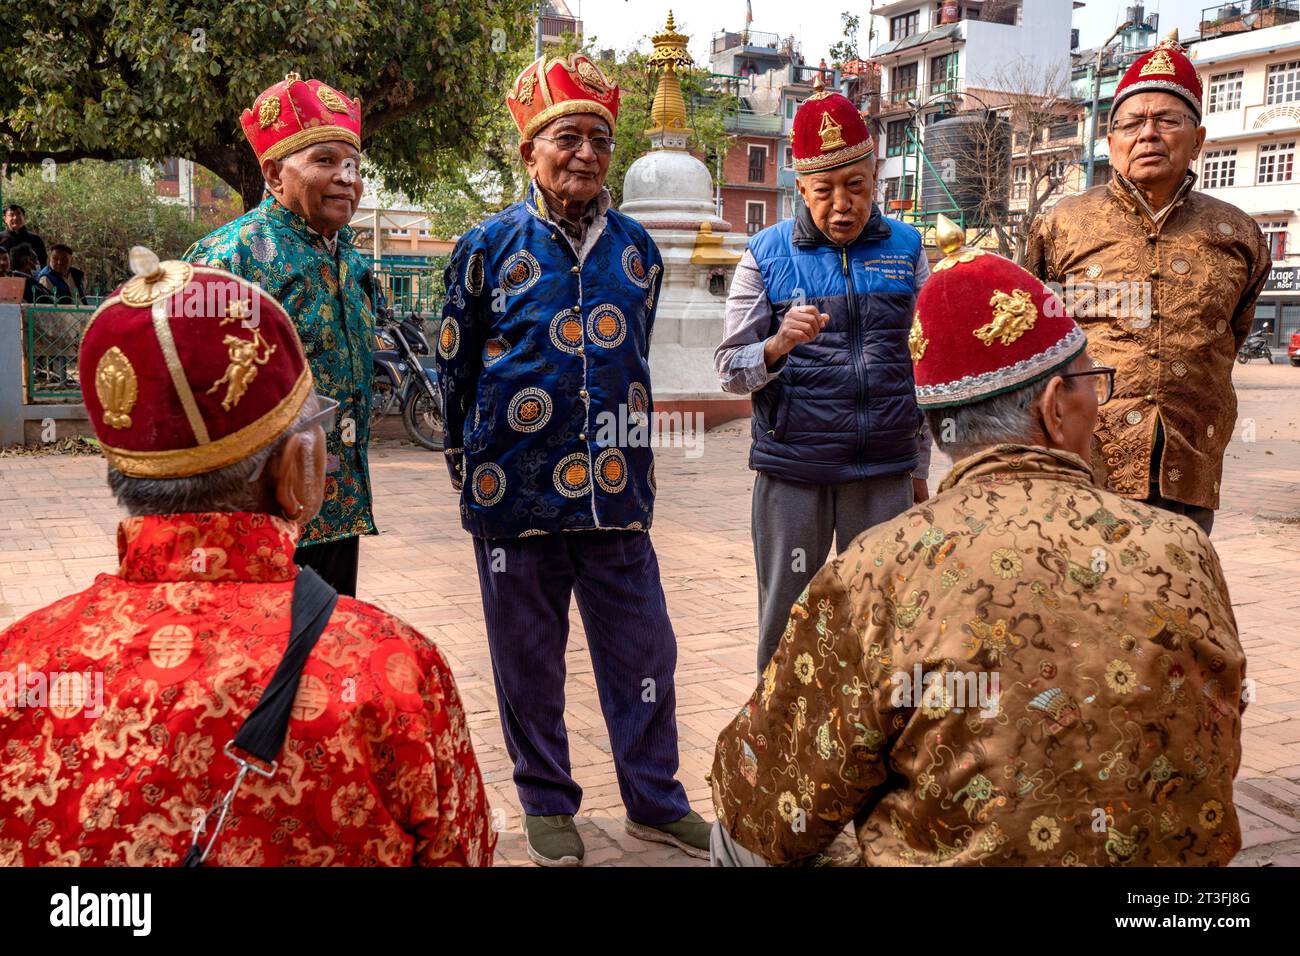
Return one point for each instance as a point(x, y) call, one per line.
point(572, 142)
point(1103, 378)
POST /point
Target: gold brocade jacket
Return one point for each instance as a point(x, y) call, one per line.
point(1024, 670)
point(1167, 304)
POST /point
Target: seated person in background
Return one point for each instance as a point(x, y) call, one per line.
point(23, 264)
point(213, 435)
point(1025, 669)
point(58, 281)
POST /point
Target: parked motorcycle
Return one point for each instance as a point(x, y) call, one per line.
point(406, 380)
point(1256, 346)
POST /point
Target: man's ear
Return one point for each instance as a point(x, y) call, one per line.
point(271, 174)
point(1200, 141)
point(526, 147)
point(1052, 411)
point(289, 474)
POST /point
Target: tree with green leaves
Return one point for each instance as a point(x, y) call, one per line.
point(144, 79)
point(101, 210)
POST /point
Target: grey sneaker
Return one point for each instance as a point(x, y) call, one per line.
point(690, 834)
point(553, 841)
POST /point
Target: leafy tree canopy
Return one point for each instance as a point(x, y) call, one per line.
point(144, 79)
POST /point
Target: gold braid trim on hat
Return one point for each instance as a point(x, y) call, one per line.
point(185, 462)
point(309, 137)
point(841, 157)
point(565, 108)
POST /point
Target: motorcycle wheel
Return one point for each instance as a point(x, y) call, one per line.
point(423, 420)
point(1243, 359)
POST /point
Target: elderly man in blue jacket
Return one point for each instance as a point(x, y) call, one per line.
point(545, 336)
point(816, 329)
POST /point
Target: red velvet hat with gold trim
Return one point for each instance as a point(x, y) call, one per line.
point(187, 369)
point(1166, 69)
point(295, 113)
point(828, 132)
point(985, 326)
point(549, 88)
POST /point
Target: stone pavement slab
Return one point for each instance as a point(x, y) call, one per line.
point(57, 531)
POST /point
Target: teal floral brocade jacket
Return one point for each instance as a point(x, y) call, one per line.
point(328, 298)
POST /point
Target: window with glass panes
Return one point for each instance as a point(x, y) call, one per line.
point(1220, 169)
point(1058, 169)
point(757, 163)
point(1283, 82)
point(755, 214)
point(1275, 235)
point(1276, 163)
point(902, 81)
point(896, 138)
point(1225, 92)
point(905, 25)
point(1019, 182)
point(942, 69)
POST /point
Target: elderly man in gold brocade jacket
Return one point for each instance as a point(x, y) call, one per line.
point(1164, 280)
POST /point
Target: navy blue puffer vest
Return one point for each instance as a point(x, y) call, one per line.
point(844, 406)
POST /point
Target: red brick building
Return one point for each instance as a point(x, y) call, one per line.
point(750, 193)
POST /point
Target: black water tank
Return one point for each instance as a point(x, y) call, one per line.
point(971, 153)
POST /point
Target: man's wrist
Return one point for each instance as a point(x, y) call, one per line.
point(771, 356)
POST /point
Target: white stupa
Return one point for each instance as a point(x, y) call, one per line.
point(670, 192)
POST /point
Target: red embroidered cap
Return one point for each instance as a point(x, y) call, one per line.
point(549, 88)
point(1166, 69)
point(984, 326)
point(295, 113)
point(828, 132)
point(186, 369)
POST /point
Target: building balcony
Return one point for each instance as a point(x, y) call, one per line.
point(1252, 121)
point(900, 97)
point(755, 124)
point(1244, 16)
point(555, 29)
point(1256, 199)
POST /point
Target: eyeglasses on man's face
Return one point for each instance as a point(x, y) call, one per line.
point(1130, 126)
point(326, 410)
point(1103, 380)
point(572, 142)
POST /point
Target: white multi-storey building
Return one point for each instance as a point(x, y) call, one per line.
point(1252, 121)
point(929, 50)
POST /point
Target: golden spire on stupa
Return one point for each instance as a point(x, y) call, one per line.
point(668, 112)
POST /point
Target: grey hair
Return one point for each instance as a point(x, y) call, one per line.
point(961, 430)
point(226, 489)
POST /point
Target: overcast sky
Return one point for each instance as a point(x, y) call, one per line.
point(816, 23)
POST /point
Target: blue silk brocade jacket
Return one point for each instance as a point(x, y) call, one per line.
point(543, 362)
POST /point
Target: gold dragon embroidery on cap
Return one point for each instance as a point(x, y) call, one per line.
point(1013, 316)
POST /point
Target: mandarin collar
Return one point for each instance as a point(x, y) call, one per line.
point(276, 211)
point(207, 546)
point(1011, 461)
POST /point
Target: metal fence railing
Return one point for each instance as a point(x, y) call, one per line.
point(51, 337)
point(52, 333)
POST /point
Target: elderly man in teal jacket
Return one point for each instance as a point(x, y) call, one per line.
point(297, 245)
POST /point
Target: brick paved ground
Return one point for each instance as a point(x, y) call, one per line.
point(56, 533)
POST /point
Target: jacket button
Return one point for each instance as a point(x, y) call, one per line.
point(1151, 237)
point(1155, 273)
point(1152, 352)
point(575, 270)
point(582, 393)
point(577, 310)
point(1155, 313)
point(582, 436)
point(581, 350)
point(1150, 397)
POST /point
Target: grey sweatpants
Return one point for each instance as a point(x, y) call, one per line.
point(793, 525)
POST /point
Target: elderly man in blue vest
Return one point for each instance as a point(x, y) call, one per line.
point(816, 330)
